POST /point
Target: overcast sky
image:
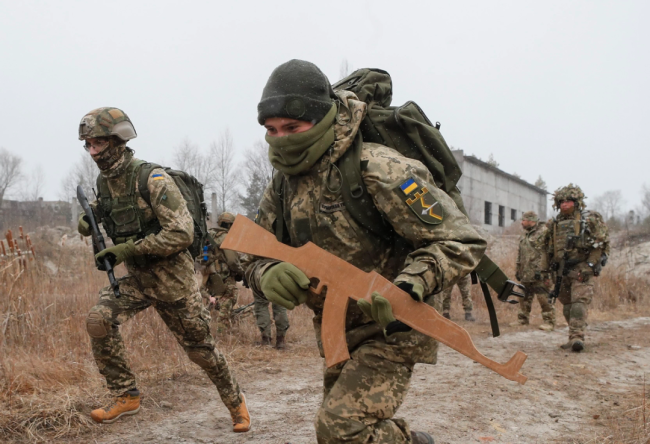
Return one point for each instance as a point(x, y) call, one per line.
point(556, 88)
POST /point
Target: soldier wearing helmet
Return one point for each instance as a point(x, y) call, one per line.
point(144, 213)
point(577, 243)
point(532, 271)
point(220, 270)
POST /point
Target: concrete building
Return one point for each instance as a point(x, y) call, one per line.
point(32, 214)
point(495, 199)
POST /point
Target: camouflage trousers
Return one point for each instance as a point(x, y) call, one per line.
point(227, 302)
point(465, 287)
point(263, 318)
point(576, 297)
point(187, 319)
point(362, 395)
point(525, 306)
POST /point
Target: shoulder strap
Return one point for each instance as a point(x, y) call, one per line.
point(355, 195)
point(143, 178)
point(278, 193)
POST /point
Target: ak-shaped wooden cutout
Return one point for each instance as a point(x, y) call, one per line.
point(344, 282)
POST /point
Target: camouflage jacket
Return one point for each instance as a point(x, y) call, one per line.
point(226, 262)
point(581, 237)
point(532, 256)
point(433, 250)
point(168, 272)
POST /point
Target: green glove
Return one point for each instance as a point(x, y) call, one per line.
point(284, 284)
point(117, 254)
point(382, 313)
point(84, 227)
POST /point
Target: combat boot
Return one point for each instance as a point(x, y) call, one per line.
point(266, 341)
point(566, 346)
point(578, 346)
point(547, 327)
point(421, 438)
point(446, 315)
point(126, 404)
point(279, 343)
point(241, 419)
point(469, 317)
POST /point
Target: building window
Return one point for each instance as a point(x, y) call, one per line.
point(488, 213)
point(502, 216)
point(513, 214)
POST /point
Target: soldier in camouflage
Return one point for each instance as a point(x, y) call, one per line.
point(152, 240)
point(264, 322)
point(219, 271)
point(465, 287)
point(577, 242)
point(309, 128)
point(532, 263)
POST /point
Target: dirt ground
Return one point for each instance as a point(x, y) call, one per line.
point(567, 399)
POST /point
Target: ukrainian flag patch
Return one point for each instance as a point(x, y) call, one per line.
point(420, 200)
point(158, 177)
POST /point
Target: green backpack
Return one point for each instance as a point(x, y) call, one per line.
point(408, 130)
point(124, 219)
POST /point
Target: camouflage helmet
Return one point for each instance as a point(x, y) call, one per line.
point(531, 216)
point(225, 217)
point(569, 192)
point(106, 122)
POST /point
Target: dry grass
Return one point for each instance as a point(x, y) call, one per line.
point(48, 378)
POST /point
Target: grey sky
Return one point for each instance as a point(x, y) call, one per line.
point(556, 88)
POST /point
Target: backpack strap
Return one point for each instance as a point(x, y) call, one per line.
point(278, 193)
point(355, 194)
point(143, 179)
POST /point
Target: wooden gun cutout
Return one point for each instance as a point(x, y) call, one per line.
point(345, 281)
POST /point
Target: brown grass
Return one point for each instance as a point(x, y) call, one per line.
point(48, 378)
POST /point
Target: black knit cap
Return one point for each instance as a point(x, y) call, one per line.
point(297, 90)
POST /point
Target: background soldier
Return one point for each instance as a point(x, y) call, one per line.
point(465, 287)
point(532, 258)
point(220, 270)
point(264, 323)
point(578, 245)
point(309, 128)
point(152, 240)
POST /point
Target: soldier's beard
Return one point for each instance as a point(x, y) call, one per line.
point(107, 158)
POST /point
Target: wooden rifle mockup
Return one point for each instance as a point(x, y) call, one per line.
point(344, 282)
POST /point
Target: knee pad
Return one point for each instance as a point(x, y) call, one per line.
point(578, 310)
point(202, 358)
point(96, 326)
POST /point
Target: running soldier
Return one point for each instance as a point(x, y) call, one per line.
point(151, 237)
point(577, 242)
point(532, 259)
point(309, 128)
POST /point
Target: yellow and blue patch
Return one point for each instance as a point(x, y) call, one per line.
point(421, 201)
point(158, 177)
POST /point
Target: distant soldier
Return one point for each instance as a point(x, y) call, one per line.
point(220, 270)
point(265, 324)
point(151, 229)
point(578, 245)
point(532, 258)
point(465, 287)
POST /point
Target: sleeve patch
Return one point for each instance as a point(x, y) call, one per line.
point(421, 201)
point(158, 177)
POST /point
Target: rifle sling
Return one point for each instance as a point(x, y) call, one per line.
point(494, 323)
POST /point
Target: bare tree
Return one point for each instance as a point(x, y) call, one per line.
point(258, 174)
point(188, 158)
point(84, 172)
point(10, 171)
point(645, 197)
point(345, 69)
point(540, 183)
point(609, 203)
point(492, 161)
point(33, 185)
point(222, 152)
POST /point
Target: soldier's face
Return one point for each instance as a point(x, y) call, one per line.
point(528, 224)
point(96, 145)
point(282, 126)
point(567, 206)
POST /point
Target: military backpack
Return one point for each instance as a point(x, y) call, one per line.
point(124, 220)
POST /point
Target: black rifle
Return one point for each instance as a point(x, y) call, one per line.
point(98, 239)
point(562, 268)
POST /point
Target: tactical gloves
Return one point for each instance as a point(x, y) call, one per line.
point(284, 284)
point(84, 227)
point(117, 254)
point(381, 312)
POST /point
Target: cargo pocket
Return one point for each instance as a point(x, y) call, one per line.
point(195, 328)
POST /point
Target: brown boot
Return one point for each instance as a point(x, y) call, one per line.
point(546, 327)
point(421, 438)
point(266, 341)
point(125, 404)
point(241, 419)
point(446, 314)
point(279, 343)
point(469, 317)
point(566, 346)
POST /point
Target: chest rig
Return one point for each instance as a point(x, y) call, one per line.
point(120, 215)
point(569, 238)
